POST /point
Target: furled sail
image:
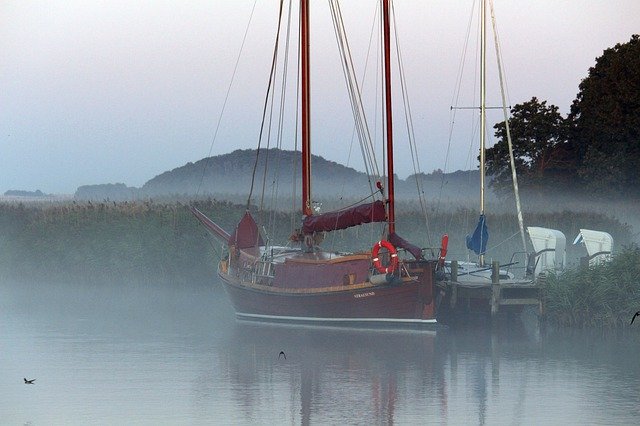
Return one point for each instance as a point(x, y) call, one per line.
point(398, 241)
point(343, 219)
point(478, 240)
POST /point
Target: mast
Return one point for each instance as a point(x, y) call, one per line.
point(514, 176)
point(306, 133)
point(387, 95)
point(483, 119)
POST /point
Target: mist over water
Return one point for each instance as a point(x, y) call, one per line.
point(125, 354)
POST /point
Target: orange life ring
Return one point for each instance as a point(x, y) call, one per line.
point(443, 249)
point(377, 263)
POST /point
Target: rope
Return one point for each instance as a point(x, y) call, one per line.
point(354, 93)
point(361, 128)
point(454, 104)
point(224, 103)
point(502, 242)
point(275, 186)
point(266, 101)
point(409, 124)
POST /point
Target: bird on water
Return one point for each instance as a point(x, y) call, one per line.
point(282, 354)
point(637, 314)
point(29, 382)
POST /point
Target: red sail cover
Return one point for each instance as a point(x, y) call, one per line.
point(246, 234)
point(343, 219)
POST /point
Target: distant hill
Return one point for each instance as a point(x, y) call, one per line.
point(229, 175)
point(108, 191)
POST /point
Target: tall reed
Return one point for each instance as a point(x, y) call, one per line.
point(606, 295)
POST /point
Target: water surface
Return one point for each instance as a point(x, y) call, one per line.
point(154, 355)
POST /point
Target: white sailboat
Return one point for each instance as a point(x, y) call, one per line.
point(479, 272)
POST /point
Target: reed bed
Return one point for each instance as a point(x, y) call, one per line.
point(105, 242)
point(162, 242)
point(604, 295)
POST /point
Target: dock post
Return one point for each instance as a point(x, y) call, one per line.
point(495, 288)
point(454, 284)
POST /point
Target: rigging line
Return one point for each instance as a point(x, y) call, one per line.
point(266, 158)
point(356, 128)
point(278, 129)
point(377, 83)
point(514, 176)
point(266, 102)
point(224, 103)
point(475, 120)
point(502, 242)
point(361, 127)
point(362, 81)
point(342, 44)
point(409, 123)
point(366, 135)
point(294, 216)
point(352, 86)
point(498, 52)
point(382, 107)
point(345, 208)
point(280, 154)
point(454, 101)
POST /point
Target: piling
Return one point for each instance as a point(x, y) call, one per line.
point(454, 284)
point(495, 288)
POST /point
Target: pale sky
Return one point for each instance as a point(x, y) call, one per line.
point(119, 91)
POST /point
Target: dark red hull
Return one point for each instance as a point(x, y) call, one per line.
point(406, 303)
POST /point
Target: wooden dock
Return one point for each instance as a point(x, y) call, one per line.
point(489, 296)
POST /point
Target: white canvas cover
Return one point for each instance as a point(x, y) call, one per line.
point(550, 246)
point(599, 245)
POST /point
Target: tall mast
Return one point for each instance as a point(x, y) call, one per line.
point(483, 90)
point(387, 95)
point(514, 176)
point(306, 133)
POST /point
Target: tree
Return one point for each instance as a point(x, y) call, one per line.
point(540, 148)
point(605, 119)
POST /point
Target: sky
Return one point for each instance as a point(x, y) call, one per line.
point(96, 92)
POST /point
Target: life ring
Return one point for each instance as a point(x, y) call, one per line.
point(443, 249)
point(377, 263)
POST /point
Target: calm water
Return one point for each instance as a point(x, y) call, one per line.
point(176, 356)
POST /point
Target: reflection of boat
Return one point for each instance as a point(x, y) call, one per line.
point(328, 372)
point(312, 285)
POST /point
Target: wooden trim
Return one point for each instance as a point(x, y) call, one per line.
point(329, 289)
point(340, 259)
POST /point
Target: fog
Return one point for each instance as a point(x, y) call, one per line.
point(100, 92)
point(123, 353)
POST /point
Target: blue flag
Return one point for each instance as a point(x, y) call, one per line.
point(478, 241)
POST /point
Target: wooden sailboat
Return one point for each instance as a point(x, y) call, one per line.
point(310, 285)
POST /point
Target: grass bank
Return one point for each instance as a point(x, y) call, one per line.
point(604, 295)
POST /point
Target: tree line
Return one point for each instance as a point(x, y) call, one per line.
point(595, 149)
